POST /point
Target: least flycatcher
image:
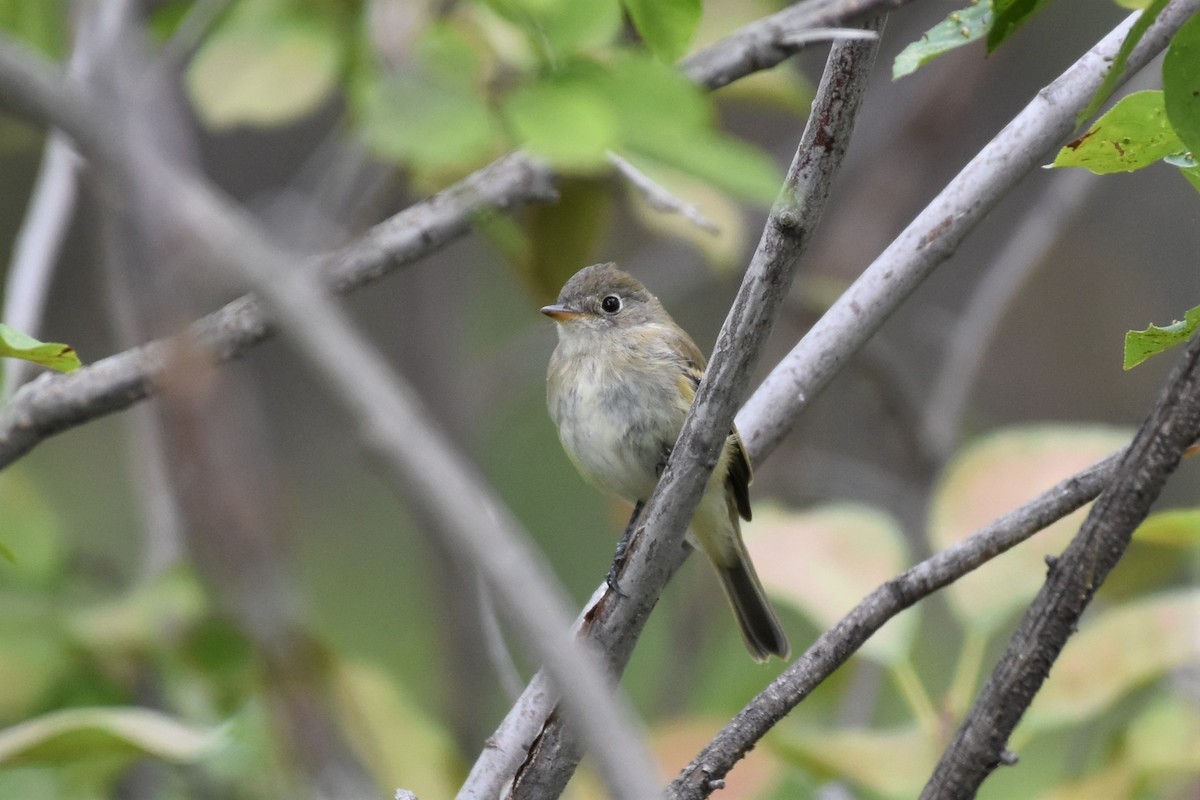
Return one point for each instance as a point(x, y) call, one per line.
point(620, 384)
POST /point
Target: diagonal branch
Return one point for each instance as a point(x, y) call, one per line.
point(835, 646)
point(417, 459)
point(926, 243)
point(936, 232)
point(979, 746)
point(54, 403)
point(615, 621)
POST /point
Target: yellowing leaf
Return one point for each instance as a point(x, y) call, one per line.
point(62, 736)
point(14, 344)
point(993, 476)
point(402, 745)
point(892, 763)
point(1118, 651)
point(263, 75)
point(724, 248)
point(826, 560)
point(1178, 528)
point(1115, 780)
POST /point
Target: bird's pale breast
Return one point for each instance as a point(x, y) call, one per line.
point(617, 415)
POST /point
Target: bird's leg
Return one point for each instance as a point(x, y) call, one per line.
point(619, 559)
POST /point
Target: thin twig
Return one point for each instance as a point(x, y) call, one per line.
point(767, 42)
point(657, 195)
point(980, 744)
point(653, 554)
point(835, 646)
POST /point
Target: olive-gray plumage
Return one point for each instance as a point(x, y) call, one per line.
point(619, 387)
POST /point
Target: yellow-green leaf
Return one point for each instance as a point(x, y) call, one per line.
point(1140, 345)
point(14, 344)
point(959, 28)
point(1133, 134)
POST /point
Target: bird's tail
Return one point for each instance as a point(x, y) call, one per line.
point(716, 531)
point(760, 627)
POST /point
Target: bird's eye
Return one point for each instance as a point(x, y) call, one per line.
point(611, 304)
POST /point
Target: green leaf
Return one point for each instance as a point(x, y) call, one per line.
point(30, 528)
point(725, 162)
point(566, 120)
point(1010, 15)
point(577, 27)
point(666, 118)
point(14, 344)
point(35, 658)
point(1115, 652)
point(267, 64)
point(1192, 175)
point(1140, 26)
point(1181, 83)
point(1133, 134)
point(423, 119)
point(666, 26)
point(959, 28)
point(826, 560)
point(992, 476)
point(62, 736)
point(41, 24)
point(1140, 345)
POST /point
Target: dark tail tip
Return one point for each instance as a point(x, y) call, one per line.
point(760, 627)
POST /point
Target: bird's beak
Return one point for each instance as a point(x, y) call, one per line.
point(561, 313)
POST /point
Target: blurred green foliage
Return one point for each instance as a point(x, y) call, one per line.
point(439, 94)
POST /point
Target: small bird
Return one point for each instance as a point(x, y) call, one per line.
point(620, 384)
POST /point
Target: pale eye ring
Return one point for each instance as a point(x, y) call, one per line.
point(611, 304)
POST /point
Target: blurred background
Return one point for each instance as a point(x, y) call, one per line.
point(158, 549)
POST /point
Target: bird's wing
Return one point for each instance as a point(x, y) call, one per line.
point(740, 474)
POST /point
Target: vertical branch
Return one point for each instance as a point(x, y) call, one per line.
point(979, 746)
point(654, 553)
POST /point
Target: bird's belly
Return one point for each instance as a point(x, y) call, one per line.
point(617, 443)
